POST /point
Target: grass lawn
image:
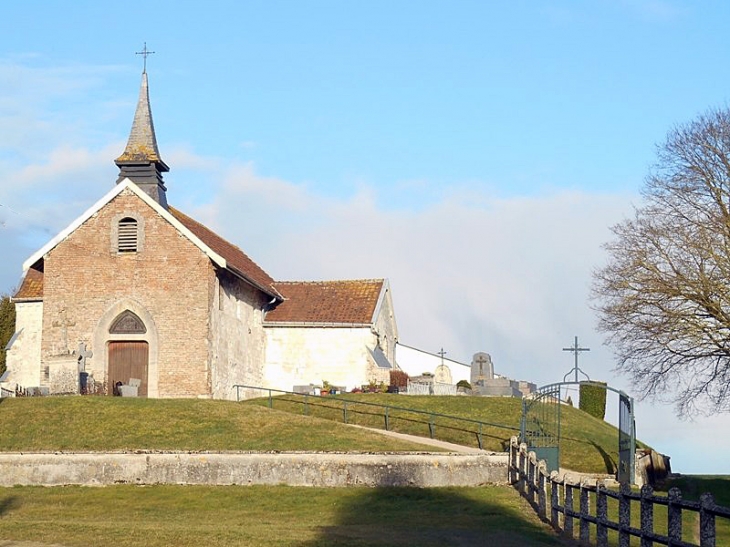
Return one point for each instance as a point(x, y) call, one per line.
point(693, 486)
point(279, 516)
point(116, 423)
point(587, 444)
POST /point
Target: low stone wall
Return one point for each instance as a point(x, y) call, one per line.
point(295, 469)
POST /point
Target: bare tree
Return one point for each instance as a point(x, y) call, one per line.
point(664, 296)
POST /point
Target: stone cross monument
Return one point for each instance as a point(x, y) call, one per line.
point(481, 368)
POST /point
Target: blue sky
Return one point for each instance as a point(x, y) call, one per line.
point(475, 153)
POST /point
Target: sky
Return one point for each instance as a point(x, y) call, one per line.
point(476, 154)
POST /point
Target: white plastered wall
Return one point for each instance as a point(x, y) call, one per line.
point(308, 355)
point(24, 356)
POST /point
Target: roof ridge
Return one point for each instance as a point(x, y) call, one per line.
point(249, 269)
point(323, 281)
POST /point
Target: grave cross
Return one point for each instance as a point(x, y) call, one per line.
point(481, 362)
point(83, 355)
point(575, 348)
point(144, 53)
point(83, 376)
point(441, 353)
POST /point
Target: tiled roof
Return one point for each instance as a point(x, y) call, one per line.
point(327, 302)
point(235, 257)
point(32, 286)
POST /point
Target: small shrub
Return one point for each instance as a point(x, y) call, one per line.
point(399, 378)
point(593, 399)
point(463, 384)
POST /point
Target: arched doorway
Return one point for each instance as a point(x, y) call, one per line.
point(127, 359)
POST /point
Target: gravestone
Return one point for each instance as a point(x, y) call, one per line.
point(443, 374)
point(481, 369)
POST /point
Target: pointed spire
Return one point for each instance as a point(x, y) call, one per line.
point(141, 161)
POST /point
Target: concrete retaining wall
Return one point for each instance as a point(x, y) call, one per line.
point(324, 470)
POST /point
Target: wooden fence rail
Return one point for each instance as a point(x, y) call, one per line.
point(549, 494)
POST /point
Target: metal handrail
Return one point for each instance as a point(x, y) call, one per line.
point(387, 408)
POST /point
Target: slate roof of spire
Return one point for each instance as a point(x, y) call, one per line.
point(142, 144)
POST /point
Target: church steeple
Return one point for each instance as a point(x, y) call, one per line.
point(141, 161)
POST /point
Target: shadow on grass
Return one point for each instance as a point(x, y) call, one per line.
point(404, 516)
point(693, 486)
point(7, 504)
point(607, 459)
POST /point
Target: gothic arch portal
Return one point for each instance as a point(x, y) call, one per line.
point(125, 322)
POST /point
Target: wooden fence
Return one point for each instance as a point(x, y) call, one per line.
point(554, 500)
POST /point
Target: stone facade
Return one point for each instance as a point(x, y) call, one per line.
point(202, 327)
point(87, 284)
point(237, 339)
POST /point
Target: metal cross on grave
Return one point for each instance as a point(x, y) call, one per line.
point(575, 348)
point(441, 353)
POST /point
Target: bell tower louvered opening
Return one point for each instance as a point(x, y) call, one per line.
point(127, 236)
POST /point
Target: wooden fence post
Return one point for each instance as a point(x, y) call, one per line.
point(513, 462)
point(624, 516)
point(707, 520)
point(585, 510)
point(647, 515)
point(674, 514)
point(554, 500)
point(568, 518)
point(542, 490)
point(531, 466)
point(523, 468)
point(601, 516)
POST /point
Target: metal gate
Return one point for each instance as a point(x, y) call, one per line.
point(540, 424)
point(626, 439)
point(540, 427)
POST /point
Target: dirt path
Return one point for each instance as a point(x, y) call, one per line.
point(451, 447)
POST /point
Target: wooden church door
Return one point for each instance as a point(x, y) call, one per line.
point(128, 360)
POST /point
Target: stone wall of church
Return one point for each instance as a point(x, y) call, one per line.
point(386, 328)
point(167, 281)
point(237, 337)
point(24, 356)
point(309, 355)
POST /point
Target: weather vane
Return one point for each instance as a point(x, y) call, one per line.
point(144, 53)
point(576, 369)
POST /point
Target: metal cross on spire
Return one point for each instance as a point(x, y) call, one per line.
point(144, 53)
point(576, 349)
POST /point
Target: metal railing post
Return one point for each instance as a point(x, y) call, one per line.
point(271, 400)
point(387, 418)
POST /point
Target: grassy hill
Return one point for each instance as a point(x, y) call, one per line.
point(587, 444)
point(106, 423)
point(115, 423)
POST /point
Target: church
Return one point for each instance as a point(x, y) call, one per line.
point(136, 292)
